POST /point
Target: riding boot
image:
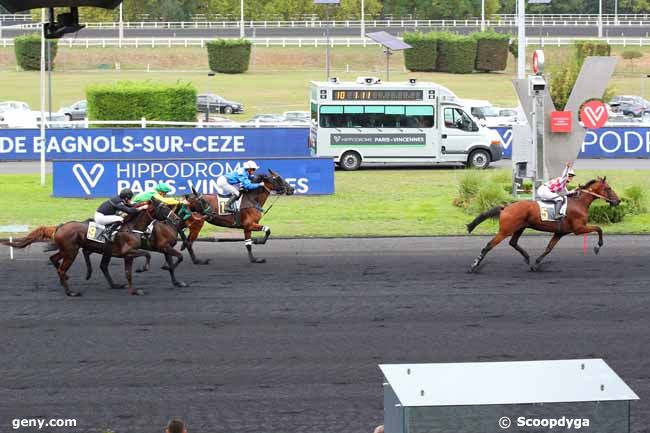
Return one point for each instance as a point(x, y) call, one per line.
point(231, 201)
point(558, 209)
point(111, 230)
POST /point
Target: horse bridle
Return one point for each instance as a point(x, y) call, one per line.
point(608, 200)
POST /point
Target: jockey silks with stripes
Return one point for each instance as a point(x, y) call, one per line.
point(232, 182)
point(556, 189)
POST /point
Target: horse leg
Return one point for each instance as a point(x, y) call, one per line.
point(68, 260)
point(128, 271)
point(554, 240)
point(515, 245)
point(591, 229)
point(170, 253)
point(493, 243)
point(267, 233)
point(103, 265)
point(89, 265)
point(55, 259)
point(195, 229)
point(147, 261)
point(248, 241)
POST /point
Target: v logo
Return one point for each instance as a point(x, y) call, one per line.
point(88, 179)
point(507, 138)
point(595, 115)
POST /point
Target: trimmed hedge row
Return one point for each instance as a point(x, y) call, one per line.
point(448, 52)
point(132, 100)
point(591, 48)
point(28, 52)
point(229, 56)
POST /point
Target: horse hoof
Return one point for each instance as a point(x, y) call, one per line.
point(140, 270)
point(203, 262)
point(596, 250)
point(527, 261)
point(118, 286)
point(180, 284)
point(259, 261)
point(72, 293)
point(164, 267)
point(138, 292)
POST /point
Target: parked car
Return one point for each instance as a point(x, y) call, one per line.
point(630, 105)
point(484, 112)
point(297, 116)
point(267, 120)
point(76, 111)
point(217, 121)
point(16, 114)
point(216, 104)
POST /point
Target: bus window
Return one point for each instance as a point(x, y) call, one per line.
point(376, 116)
point(458, 119)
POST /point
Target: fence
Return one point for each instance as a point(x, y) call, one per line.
point(170, 42)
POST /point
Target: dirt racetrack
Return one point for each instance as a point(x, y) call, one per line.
point(293, 345)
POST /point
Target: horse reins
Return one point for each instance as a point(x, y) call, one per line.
point(596, 195)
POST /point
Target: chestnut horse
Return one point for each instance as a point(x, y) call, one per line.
point(250, 212)
point(517, 217)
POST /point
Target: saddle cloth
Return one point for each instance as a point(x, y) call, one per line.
point(223, 200)
point(95, 232)
point(547, 210)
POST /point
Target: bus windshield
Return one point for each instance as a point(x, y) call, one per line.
point(377, 116)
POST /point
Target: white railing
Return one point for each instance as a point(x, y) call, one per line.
point(144, 123)
point(500, 21)
point(15, 17)
point(298, 42)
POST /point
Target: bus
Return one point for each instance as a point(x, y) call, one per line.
point(411, 122)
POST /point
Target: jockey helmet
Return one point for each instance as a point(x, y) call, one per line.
point(250, 165)
point(162, 187)
point(126, 193)
point(571, 172)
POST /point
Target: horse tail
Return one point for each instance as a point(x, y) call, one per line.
point(41, 234)
point(492, 213)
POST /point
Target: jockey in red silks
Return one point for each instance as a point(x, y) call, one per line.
point(556, 189)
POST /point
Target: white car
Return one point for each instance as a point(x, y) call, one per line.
point(298, 117)
point(485, 113)
point(16, 114)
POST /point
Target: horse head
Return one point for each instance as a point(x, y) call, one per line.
point(276, 183)
point(601, 189)
point(198, 203)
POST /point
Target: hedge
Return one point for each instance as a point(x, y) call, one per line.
point(456, 54)
point(491, 51)
point(229, 56)
point(591, 48)
point(28, 52)
point(424, 54)
point(133, 100)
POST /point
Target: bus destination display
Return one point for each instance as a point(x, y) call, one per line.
point(377, 95)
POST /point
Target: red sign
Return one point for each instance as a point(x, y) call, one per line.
point(538, 62)
point(561, 121)
point(594, 114)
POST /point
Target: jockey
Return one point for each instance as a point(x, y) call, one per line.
point(240, 178)
point(106, 212)
point(555, 189)
point(159, 193)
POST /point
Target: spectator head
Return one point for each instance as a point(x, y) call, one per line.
point(176, 426)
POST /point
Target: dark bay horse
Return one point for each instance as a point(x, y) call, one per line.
point(250, 211)
point(163, 239)
point(517, 217)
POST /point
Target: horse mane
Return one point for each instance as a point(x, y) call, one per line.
point(591, 182)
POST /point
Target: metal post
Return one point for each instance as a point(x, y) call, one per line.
point(42, 123)
point(388, 54)
point(363, 19)
point(121, 27)
point(49, 78)
point(482, 15)
point(242, 33)
point(327, 38)
point(538, 138)
point(600, 18)
point(521, 39)
point(616, 12)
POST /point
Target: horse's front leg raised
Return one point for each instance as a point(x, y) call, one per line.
point(248, 241)
point(590, 229)
point(261, 228)
point(554, 240)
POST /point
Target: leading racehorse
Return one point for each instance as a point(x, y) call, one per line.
point(251, 211)
point(517, 217)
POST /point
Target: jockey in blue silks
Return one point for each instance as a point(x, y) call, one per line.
point(231, 183)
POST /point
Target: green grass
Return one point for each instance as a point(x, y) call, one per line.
point(366, 203)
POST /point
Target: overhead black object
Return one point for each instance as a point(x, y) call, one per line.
point(14, 6)
point(66, 23)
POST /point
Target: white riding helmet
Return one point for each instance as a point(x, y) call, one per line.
point(571, 172)
point(250, 165)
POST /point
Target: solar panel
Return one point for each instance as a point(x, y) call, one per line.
point(388, 40)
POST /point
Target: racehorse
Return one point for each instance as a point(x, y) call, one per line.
point(162, 240)
point(250, 211)
point(70, 237)
point(518, 216)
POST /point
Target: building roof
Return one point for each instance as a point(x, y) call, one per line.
point(491, 383)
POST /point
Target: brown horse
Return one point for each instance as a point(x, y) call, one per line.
point(70, 237)
point(250, 212)
point(517, 217)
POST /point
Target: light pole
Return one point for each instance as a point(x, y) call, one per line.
point(482, 15)
point(327, 3)
point(615, 11)
point(521, 39)
point(121, 27)
point(363, 19)
point(42, 123)
point(600, 18)
point(242, 34)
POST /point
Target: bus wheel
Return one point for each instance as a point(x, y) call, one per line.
point(350, 161)
point(480, 159)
